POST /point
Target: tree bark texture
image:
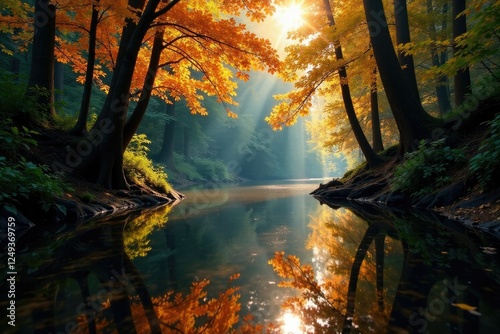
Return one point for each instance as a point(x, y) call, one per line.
point(135, 119)
point(371, 157)
point(42, 60)
point(81, 124)
point(108, 155)
point(413, 122)
point(403, 37)
point(377, 143)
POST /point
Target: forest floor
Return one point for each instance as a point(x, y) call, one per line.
point(82, 199)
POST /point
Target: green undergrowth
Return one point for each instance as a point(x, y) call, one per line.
point(22, 180)
point(485, 165)
point(140, 169)
point(427, 169)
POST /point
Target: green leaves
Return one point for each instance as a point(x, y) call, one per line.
point(427, 169)
point(26, 180)
point(485, 165)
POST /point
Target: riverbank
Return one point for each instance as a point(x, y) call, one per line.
point(456, 177)
point(46, 196)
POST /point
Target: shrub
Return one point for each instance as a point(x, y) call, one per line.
point(485, 165)
point(16, 104)
point(26, 180)
point(13, 139)
point(427, 169)
point(140, 169)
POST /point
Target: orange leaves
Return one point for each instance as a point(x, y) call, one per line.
point(289, 267)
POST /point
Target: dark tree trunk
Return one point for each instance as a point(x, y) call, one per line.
point(15, 68)
point(413, 122)
point(105, 163)
point(371, 157)
point(462, 81)
point(166, 154)
point(58, 81)
point(42, 61)
point(379, 271)
point(81, 124)
point(144, 295)
point(187, 144)
point(135, 119)
point(377, 143)
point(403, 37)
point(364, 245)
point(442, 92)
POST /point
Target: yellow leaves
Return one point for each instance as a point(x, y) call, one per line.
point(467, 307)
point(231, 114)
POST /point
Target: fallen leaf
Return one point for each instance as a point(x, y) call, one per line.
point(465, 307)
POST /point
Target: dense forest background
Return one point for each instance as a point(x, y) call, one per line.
point(206, 148)
point(185, 88)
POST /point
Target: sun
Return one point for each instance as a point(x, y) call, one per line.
point(289, 17)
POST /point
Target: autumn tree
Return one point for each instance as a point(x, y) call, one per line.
point(370, 155)
point(81, 124)
point(319, 61)
point(190, 44)
point(413, 121)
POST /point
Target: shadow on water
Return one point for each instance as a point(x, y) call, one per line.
point(376, 269)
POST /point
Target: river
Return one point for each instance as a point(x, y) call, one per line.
point(363, 269)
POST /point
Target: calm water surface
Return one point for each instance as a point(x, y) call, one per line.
point(377, 270)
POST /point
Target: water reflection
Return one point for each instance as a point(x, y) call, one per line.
point(357, 270)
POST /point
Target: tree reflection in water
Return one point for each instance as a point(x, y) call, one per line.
point(373, 270)
point(120, 301)
point(439, 279)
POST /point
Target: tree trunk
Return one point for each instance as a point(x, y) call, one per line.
point(413, 122)
point(15, 68)
point(462, 81)
point(42, 61)
point(371, 157)
point(166, 154)
point(377, 143)
point(81, 124)
point(58, 81)
point(135, 119)
point(108, 155)
point(442, 95)
point(187, 144)
point(403, 37)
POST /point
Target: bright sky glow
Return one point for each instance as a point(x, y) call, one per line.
point(291, 324)
point(290, 17)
